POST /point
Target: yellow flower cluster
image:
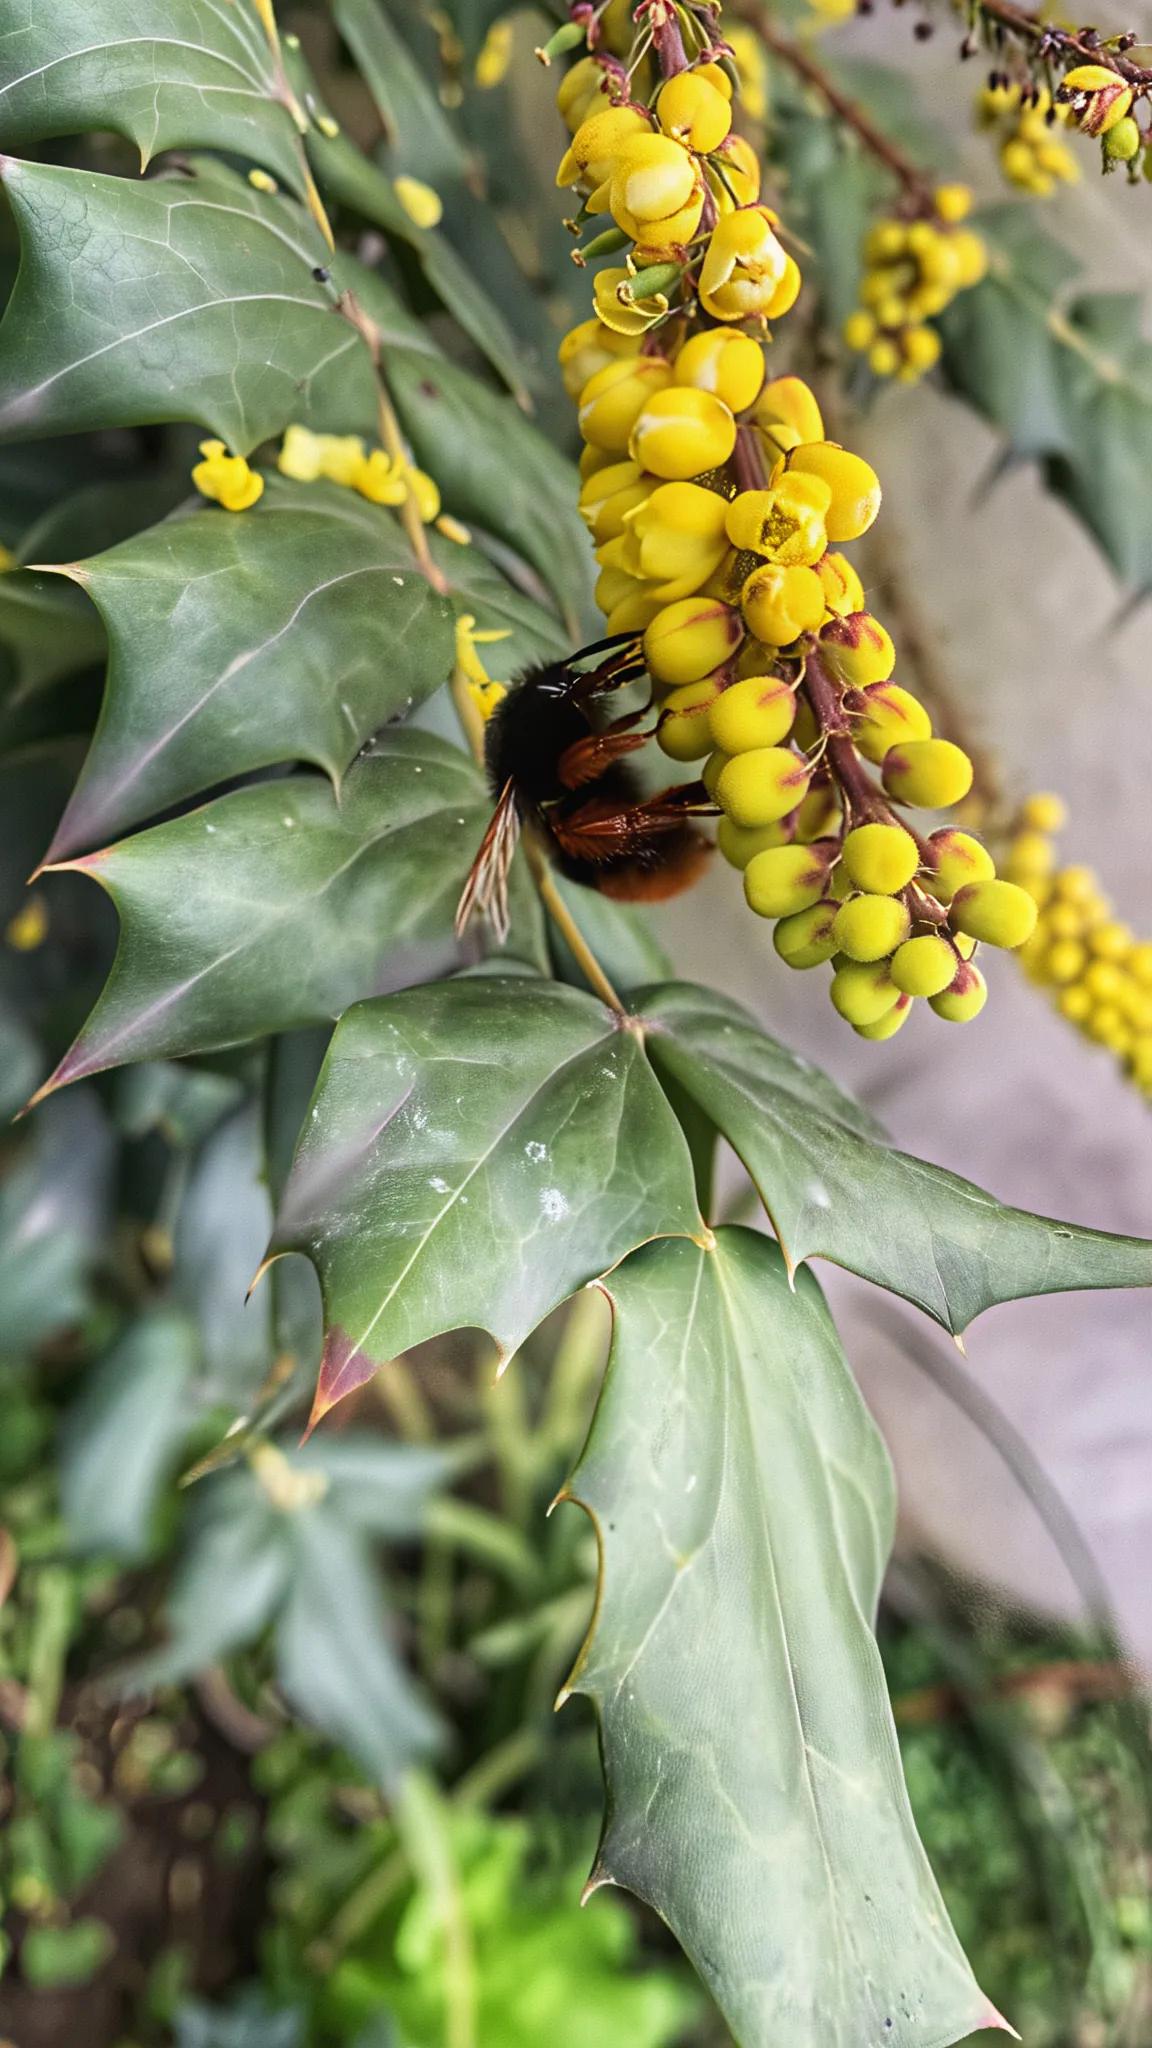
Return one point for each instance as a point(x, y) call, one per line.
point(719, 508)
point(1098, 973)
point(913, 269)
point(344, 459)
point(1024, 119)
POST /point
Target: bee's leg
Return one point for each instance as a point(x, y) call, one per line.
point(587, 758)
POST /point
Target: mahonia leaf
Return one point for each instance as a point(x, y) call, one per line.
point(493, 466)
point(287, 1543)
point(833, 1189)
point(1101, 472)
point(293, 631)
point(164, 74)
point(476, 1150)
point(347, 176)
point(279, 905)
point(425, 143)
point(743, 1506)
point(999, 352)
point(334, 1656)
point(122, 1437)
point(46, 631)
point(185, 297)
point(529, 632)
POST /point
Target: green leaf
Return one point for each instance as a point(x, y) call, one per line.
point(278, 905)
point(335, 1660)
point(293, 631)
point(46, 631)
point(425, 143)
point(834, 1190)
point(999, 351)
point(743, 1506)
point(444, 1179)
point(165, 74)
point(1102, 471)
point(348, 177)
point(52, 1222)
point(122, 1436)
point(531, 633)
point(62, 1958)
point(619, 935)
point(186, 297)
point(219, 1233)
point(233, 1575)
point(494, 467)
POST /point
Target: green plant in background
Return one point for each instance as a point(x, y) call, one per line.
point(313, 267)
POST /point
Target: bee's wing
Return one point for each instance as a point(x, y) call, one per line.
point(485, 893)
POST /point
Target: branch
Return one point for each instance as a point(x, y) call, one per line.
point(912, 179)
point(1081, 46)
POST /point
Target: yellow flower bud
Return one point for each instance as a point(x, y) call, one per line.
point(925, 966)
point(881, 858)
point(730, 366)
point(1044, 812)
point(301, 455)
point(780, 603)
point(597, 143)
point(859, 331)
point(684, 733)
point(746, 270)
point(886, 716)
point(931, 773)
point(964, 998)
point(689, 639)
point(952, 202)
point(681, 432)
point(843, 590)
point(758, 711)
point(738, 843)
point(786, 879)
point(613, 400)
point(785, 523)
point(678, 535)
point(761, 786)
point(854, 485)
point(608, 495)
point(957, 858)
point(691, 109)
point(342, 458)
point(788, 402)
point(871, 927)
point(493, 57)
point(999, 913)
point(858, 650)
point(1096, 96)
point(805, 939)
point(226, 478)
point(421, 202)
point(582, 91)
point(654, 181)
point(1123, 140)
point(894, 1019)
point(863, 992)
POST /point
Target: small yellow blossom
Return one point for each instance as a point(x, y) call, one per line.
point(484, 691)
point(29, 928)
point(226, 478)
point(301, 455)
point(495, 56)
point(453, 529)
point(261, 182)
point(420, 201)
